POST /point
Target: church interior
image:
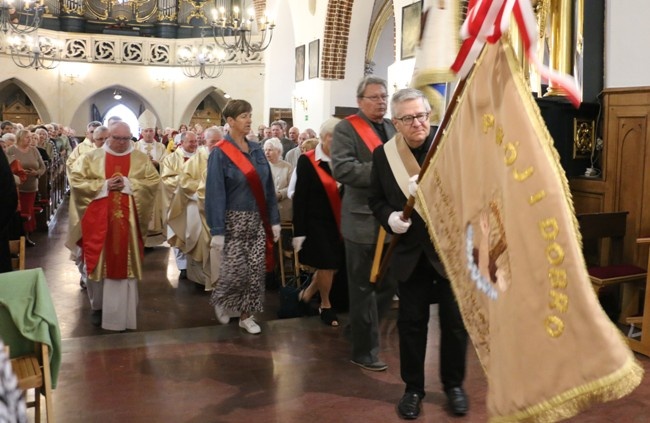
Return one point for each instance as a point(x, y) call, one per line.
point(92, 59)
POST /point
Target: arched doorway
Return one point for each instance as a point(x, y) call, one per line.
point(126, 115)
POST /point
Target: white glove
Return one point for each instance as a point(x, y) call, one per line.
point(397, 225)
point(413, 185)
point(297, 243)
point(217, 242)
point(276, 232)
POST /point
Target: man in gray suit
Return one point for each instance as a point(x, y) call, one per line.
point(353, 141)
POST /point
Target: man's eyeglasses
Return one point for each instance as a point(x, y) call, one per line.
point(409, 119)
point(123, 139)
point(376, 98)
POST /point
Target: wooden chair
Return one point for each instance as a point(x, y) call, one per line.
point(33, 372)
point(608, 231)
point(642, 344)
point(281, 258)
point(17, 251)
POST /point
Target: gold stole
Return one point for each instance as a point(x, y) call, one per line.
point(402, 163)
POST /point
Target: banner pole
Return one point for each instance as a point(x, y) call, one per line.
point(410, 203)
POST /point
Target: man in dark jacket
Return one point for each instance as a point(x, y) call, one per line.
point(415, 263)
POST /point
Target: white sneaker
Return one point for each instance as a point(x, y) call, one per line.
point(222, 315)
point(250, 326)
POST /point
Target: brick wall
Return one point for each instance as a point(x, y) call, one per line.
point(335, 43)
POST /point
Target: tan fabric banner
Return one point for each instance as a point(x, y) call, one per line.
point(499, 211)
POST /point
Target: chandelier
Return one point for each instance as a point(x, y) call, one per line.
point(241, 30)
point(20, 17)
point(34, 52)
point(202, 61)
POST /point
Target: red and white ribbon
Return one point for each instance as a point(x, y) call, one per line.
point(487, 20)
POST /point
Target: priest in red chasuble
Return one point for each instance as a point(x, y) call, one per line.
point(114, 190)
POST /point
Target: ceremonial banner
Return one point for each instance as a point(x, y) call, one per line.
point(498, 208)
point(436, 52)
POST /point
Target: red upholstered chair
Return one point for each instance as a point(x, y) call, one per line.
point(602, 236)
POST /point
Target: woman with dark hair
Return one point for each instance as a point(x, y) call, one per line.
point(242, 213)
point(34, 166)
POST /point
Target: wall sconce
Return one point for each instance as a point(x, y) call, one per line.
point(162, 82)
point(70, 77)
point(301, 101)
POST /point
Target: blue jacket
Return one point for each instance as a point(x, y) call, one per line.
point(226, 187)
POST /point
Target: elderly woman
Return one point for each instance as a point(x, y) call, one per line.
point(241, 211)
point(281, 171)
point(316, 221)
point(32, 162)
point(44, 142)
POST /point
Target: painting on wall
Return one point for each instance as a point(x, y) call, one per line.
point(300, 63)
point(313, 58)
point(411, 15)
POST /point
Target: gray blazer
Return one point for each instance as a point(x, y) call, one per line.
point(351, 166)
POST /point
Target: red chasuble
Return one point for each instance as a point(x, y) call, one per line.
point(105, 225)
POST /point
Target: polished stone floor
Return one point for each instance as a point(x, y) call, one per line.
point(181, 366)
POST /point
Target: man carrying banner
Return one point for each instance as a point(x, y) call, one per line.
point(353, 141)
point(421, 275)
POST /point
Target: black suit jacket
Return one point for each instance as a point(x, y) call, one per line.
point(387, 197)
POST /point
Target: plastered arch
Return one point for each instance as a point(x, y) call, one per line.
point(38, 102)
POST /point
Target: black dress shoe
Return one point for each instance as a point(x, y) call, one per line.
point(457, 401)
point(409, 406)
point(183, 274)
point(30, 243)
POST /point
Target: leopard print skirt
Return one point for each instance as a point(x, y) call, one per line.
point(240, 286)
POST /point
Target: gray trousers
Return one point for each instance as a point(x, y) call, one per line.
point(367, 304)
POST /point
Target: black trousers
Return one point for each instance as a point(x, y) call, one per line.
point(424, 287)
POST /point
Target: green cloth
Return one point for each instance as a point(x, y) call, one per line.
point(28, 315)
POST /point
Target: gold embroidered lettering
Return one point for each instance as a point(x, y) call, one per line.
point(549, 229)
point(488, 122)
point(557, 278)
point(555, 254)
point(510, 153)
point(559, 301)
point(537, 197)
point(522, 176)
point(554, 326)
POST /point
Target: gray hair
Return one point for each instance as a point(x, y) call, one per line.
point(327, 127)
point(213, 130)
point(8, 136)
point(99, 130)
point(274, 143)
point(406, 94)
point(93, 124)
point(370, 80)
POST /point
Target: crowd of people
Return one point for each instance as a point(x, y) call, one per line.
point(219, 196)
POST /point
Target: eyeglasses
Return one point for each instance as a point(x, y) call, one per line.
point(409, 119)
point(376, 98)
point(123, 139)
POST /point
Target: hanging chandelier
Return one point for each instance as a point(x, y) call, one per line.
point(205, 62)
point(34, 52)
point(20, 17)
point(233, 32)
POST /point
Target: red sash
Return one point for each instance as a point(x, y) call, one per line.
point(329, 183)
point(255, 184)
point(365, 131)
